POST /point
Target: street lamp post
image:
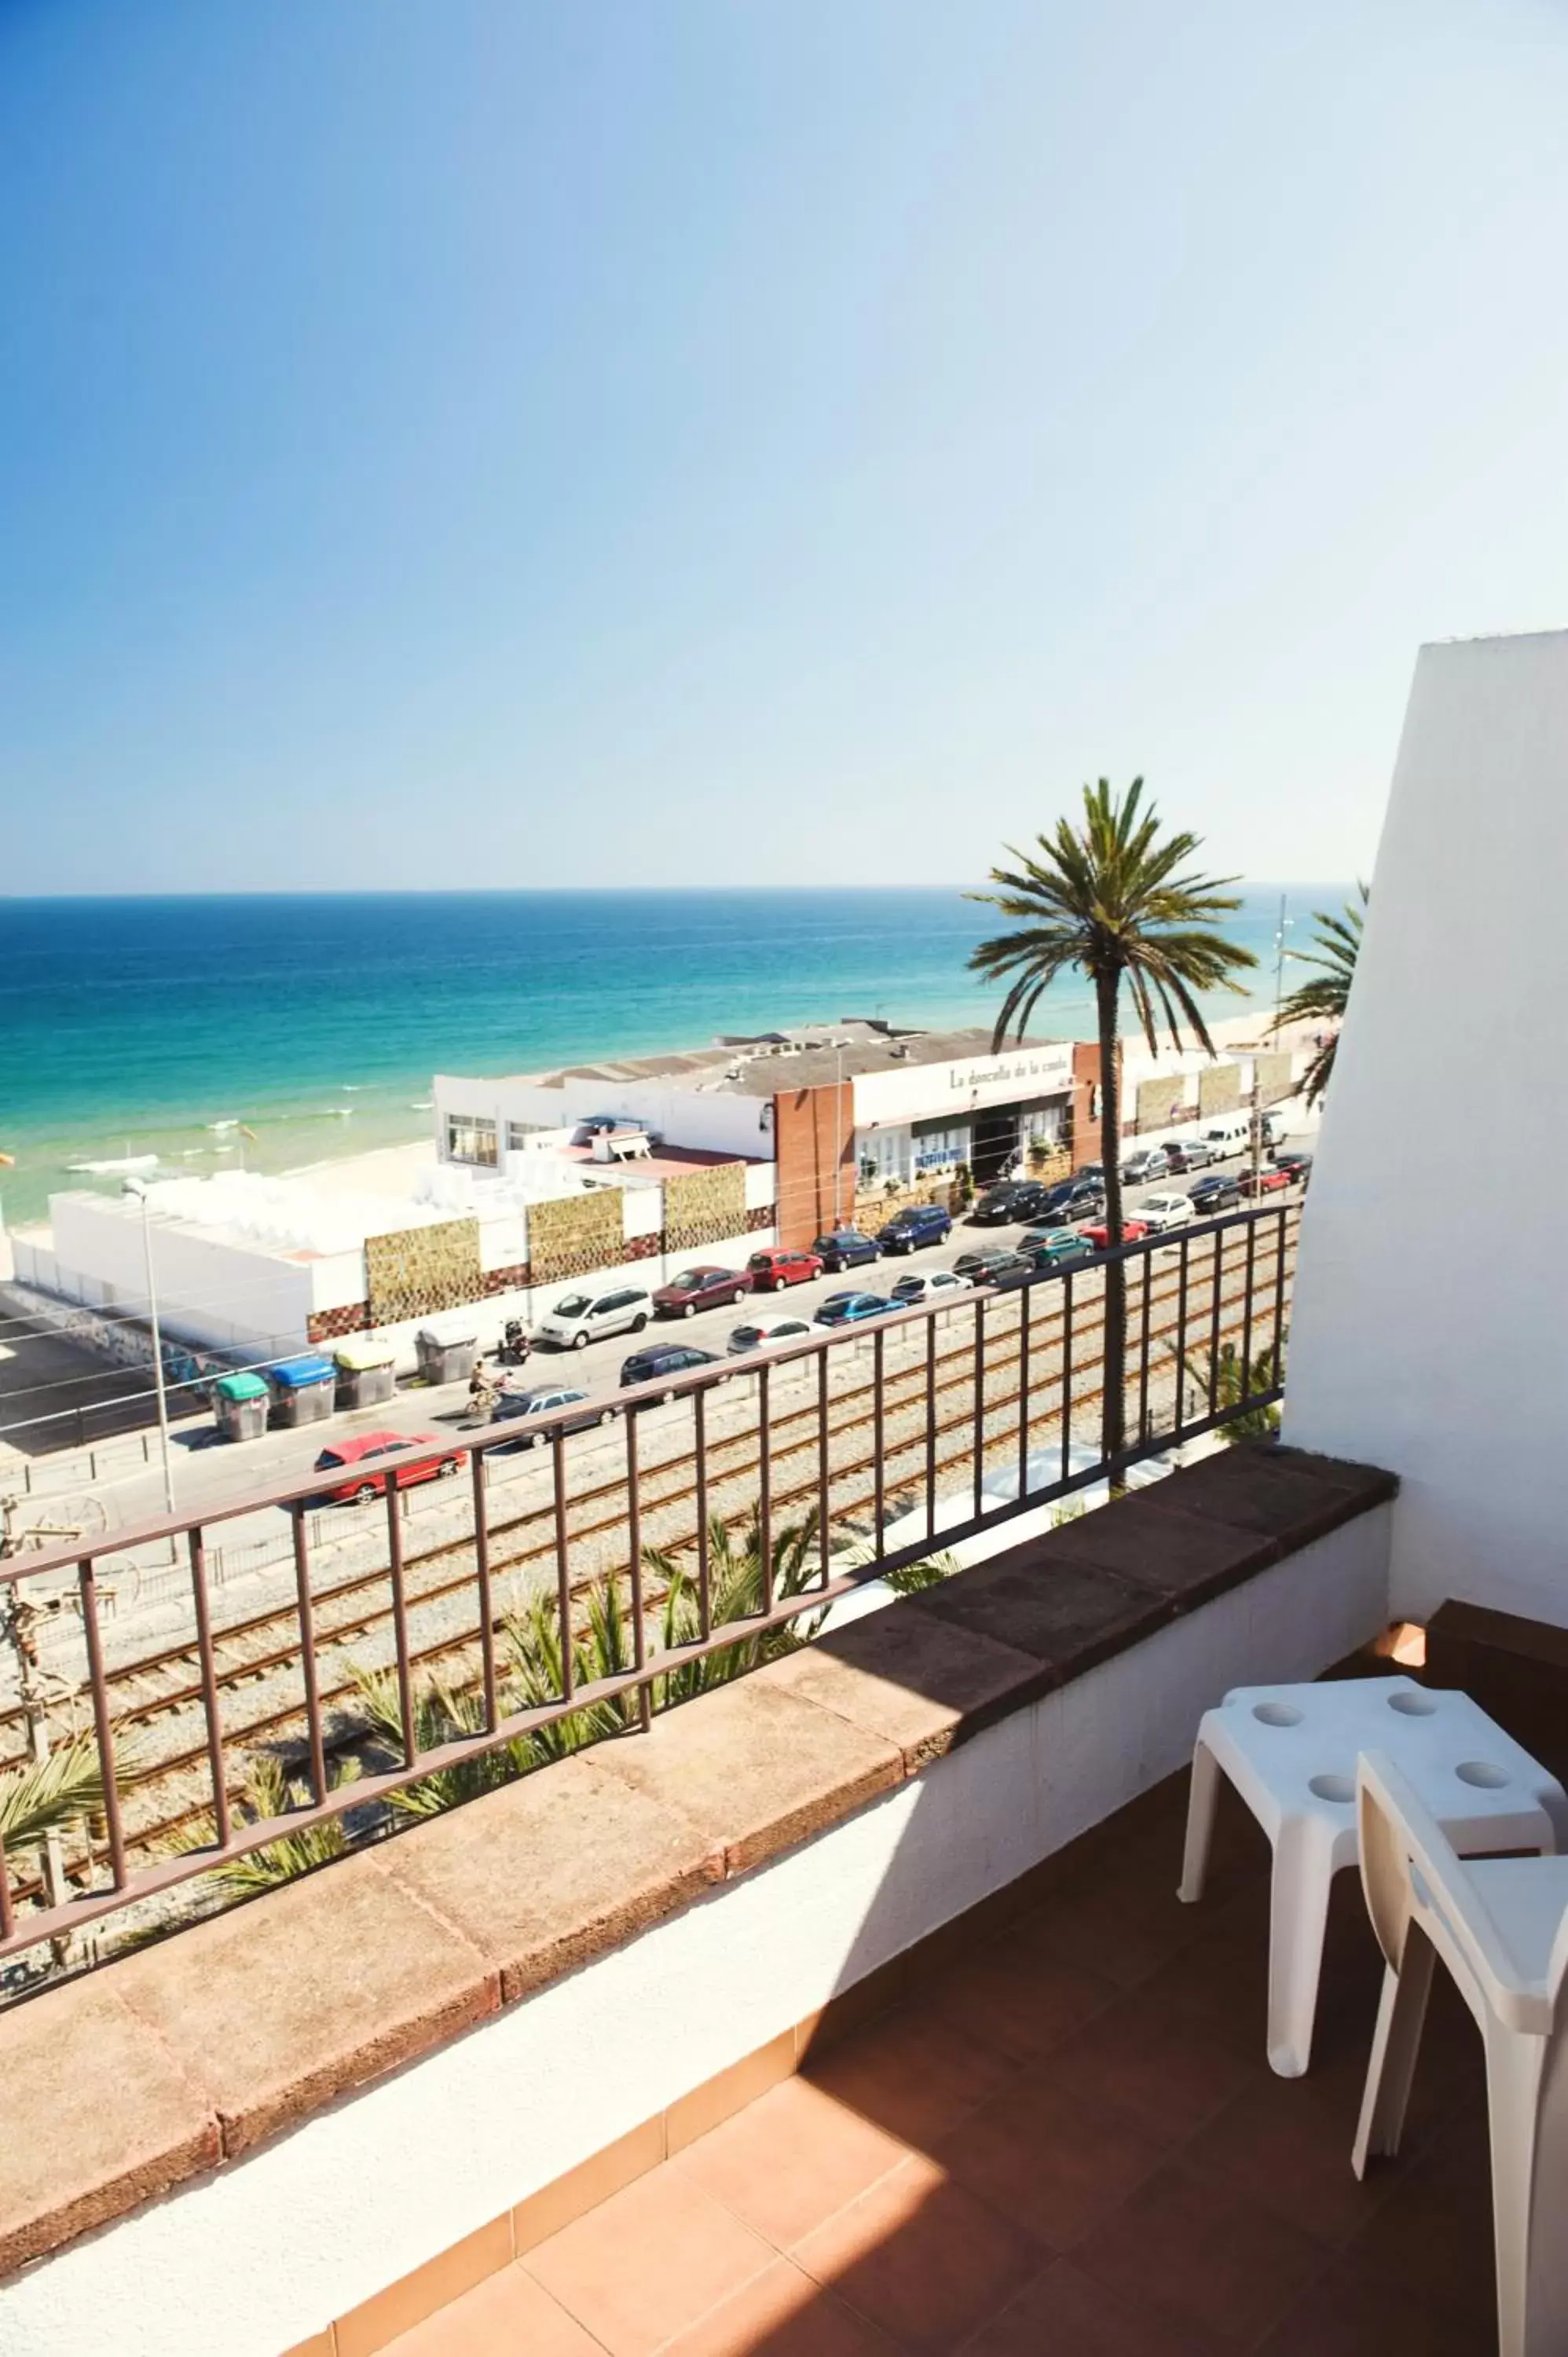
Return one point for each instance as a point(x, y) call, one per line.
point(135, 1186)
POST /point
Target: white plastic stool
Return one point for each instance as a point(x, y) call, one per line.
point(1291, 1753)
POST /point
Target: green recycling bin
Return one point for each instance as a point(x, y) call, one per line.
point(239, 1406)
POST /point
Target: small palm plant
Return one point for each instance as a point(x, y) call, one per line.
point(1234, 1380)
point(1325, 998)
point(268, 1791)
point(1112, 900)
point(442, 1713)
point(910, 1578)
point(735, 1591)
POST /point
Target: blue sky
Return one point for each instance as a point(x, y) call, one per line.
point(463, 442)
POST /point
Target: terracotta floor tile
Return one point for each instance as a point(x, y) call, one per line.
point(1123, 1924)
point(1019, 1999)
point(1289, 2148)
point(649, 2263)
point(922, 2258)
point(507, 2315)
point(1432, 2236)
point(1048, 2158)
point(783, 2313)
point(1196, 2250)
point(792, 2159)
point(915, 2073)
point(1354, 2310)
point(1167, 2072)
point(1065, 2313)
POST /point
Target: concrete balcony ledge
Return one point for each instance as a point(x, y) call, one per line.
point(187, 2062)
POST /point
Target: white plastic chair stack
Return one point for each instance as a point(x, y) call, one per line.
point(1500, 1925)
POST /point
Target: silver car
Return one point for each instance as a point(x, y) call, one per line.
point(578, 1318)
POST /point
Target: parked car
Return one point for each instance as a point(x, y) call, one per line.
point(924, 1284)
point(1147, 1162)
point(767, 1334)
point(1099, 1234)
point(1292, 1159)
point(843, 1248)
point(994, 1264)
point(1015, 1198)
point(1081, 1197)
point(707, 1287)
point(526, 1407)
point(581, 1317)
point(851, 1309)
point(917, 1224)
point(1159, 1213)
point(1217, 1192)
point(353, 1458)
point(1271, 1179)
point(772, 1270)
point(1183, 1154)
point(663, 1358)
point(1055, 1247)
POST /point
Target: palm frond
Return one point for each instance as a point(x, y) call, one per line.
point(1325, 996)
point(44, 1796)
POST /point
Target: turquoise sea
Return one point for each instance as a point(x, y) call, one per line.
point(155, 1026)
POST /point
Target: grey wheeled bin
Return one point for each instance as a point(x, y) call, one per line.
point(364, 1372)
point(304, 1390)
point(239, 1406)
point(445, 1358)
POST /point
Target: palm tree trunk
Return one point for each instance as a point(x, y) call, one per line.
point(1107, 997)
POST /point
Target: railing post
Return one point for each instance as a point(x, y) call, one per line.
point(87, 1582)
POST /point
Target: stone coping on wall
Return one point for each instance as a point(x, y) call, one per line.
point(172, 2062)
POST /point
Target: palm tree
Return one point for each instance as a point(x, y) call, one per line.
point(1324, 998)
point(1109, 900)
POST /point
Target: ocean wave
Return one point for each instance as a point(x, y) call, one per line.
point(217, 1126)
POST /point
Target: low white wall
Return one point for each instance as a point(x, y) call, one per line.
point(1427, 1330)
point(264, 2253)
point(211, 1290)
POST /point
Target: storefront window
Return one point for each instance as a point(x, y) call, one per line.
point(941, 1146)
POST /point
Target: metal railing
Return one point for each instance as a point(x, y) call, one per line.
point(930, 1425)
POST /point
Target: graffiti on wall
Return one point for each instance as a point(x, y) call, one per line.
point(701, 1207)
point(415, 1272)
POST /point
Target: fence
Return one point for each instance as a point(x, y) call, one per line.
point(721, 1523)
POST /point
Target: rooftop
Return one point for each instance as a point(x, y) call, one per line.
point(1062, 2139)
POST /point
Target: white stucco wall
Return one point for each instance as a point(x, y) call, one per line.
point(388, 2179)
point(1429, 1328)
point(210, 1288)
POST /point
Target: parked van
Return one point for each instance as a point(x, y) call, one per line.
point(1228, 1133)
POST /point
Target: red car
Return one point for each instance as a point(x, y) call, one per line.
point(354, 1458)
point(771, 1272)
point(707, 1287)
point(1098, 1234)
point(1266, 1181)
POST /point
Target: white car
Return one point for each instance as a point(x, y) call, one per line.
point(1160, 1212)
point(578, 1318)
point(768, 1334)
point(925, 1284)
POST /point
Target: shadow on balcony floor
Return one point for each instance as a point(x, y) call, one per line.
point(1066, 2144)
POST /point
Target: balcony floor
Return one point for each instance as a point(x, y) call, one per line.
point(1065, 2143)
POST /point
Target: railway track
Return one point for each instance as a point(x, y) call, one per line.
point(267, 1644)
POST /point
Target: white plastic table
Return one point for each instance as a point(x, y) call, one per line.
point(1291, 1753)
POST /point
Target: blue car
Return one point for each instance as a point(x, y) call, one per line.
point(845, 1248)
point(917, 1224)
point(849, 1309)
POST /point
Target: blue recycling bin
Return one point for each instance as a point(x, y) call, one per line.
point(304, 1391)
